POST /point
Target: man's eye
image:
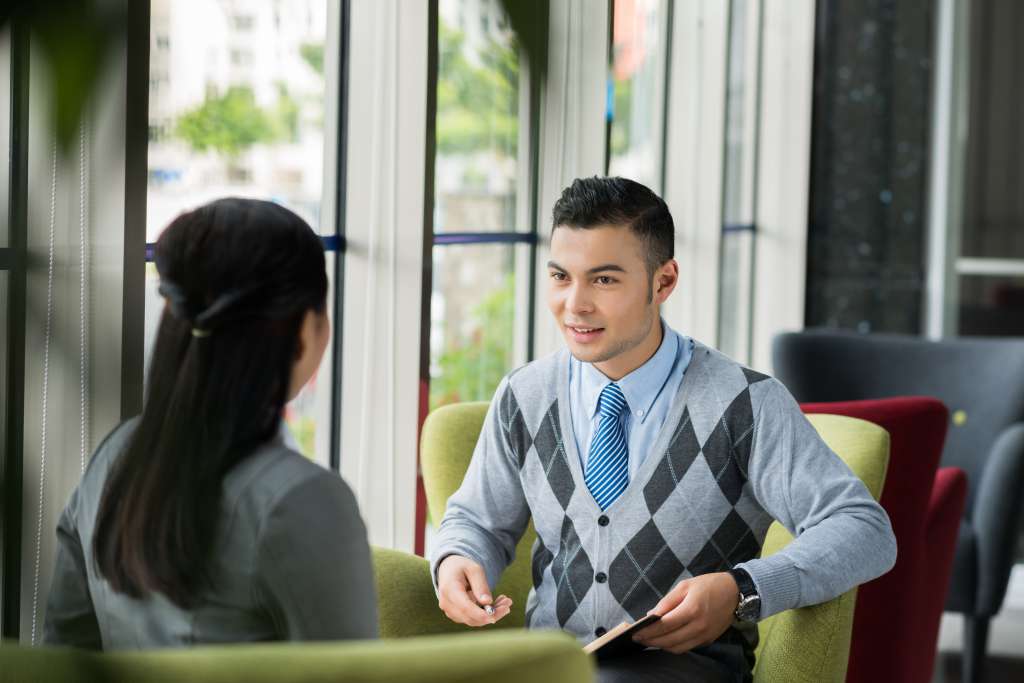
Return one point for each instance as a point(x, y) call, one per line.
point(558, 276)
point(605, 280)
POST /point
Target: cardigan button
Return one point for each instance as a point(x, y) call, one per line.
point(603, 520)
point(601, 577)
point(600, 631)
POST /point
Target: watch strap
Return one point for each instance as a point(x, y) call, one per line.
point(744, 582)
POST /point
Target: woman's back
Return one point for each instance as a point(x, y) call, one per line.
point(291, 562)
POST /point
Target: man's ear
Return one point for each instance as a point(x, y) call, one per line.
point(665, 280)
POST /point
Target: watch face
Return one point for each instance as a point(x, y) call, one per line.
point(749, 608)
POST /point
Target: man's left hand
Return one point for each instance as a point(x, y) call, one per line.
point(694, 613)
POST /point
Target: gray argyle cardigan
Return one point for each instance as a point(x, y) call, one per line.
point(734, 453)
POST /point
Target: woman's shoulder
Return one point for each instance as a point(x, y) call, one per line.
point(275, 473)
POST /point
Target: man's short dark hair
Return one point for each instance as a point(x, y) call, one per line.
point(597, 201)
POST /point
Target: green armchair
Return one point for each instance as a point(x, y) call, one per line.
point(810, 644)
point(510, 657)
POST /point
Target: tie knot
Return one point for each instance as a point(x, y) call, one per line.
point(611, 402)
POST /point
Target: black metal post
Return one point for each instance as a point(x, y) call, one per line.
point(11, 463)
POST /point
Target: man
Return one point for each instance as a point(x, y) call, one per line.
point(651, 466)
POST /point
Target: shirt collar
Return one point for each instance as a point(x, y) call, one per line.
point(641, 386)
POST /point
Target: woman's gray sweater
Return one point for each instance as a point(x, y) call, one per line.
point(291, 563)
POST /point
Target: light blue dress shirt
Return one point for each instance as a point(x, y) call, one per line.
point(649, 391)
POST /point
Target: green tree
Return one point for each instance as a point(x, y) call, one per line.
point(313, 54)
point(285, 116)
point(227, 124)
point(472, 368)
point(477, 105)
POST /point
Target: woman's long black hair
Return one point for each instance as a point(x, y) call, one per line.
point(239, 276)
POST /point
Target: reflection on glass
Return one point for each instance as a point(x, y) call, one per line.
point(236, 107)
point(477, 118)
point(472, 321)
point(734, 301)
point(3, 358)
point(5, 131)
point(738, 176)
point(991, 305)
point(737, 206)
point(638, 86)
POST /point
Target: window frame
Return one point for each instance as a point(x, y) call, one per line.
point(13, 258)
point(333, 243)
point(526, 211)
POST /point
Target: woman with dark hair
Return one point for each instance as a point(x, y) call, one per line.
point(194, 522)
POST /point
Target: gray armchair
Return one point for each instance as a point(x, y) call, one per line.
point(981, 381)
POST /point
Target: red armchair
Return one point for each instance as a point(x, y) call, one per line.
point(897, 616)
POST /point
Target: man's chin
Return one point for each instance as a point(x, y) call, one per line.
point(587, 353)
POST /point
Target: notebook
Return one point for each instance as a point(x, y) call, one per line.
point(619, 640)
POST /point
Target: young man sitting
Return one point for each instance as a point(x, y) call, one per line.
point(652, 466)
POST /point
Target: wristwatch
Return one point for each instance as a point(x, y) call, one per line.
point(749, 607)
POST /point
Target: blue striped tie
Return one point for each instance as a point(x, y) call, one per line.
point(608, 463)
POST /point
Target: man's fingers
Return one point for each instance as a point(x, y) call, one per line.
point(503, 601)
point(460, 605)
point(672, 621)
point(672, 599)
point(680, 640)
point(478, 584)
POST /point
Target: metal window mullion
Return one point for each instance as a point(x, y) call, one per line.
point(336, 242)
point(444, 239)
point(755, 153)
point(992, 267)
point(136, 159)
point(11, 464)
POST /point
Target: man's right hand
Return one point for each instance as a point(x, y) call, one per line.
point(463, 592)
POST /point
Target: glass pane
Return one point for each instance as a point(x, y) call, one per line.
point(639, 29)
point(991, 305)
point(993, 214)
point(472, 322)
point(734, 304)
point(740, 124)
point(236, 107)
point(478, 113)
point(5, 133)
point(3, 382)
point(3, 357)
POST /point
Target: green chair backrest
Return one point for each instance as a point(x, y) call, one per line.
point(809, 644)
point(446, 447)
point(508, 657)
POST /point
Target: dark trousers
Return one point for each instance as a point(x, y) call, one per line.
point(703, 665)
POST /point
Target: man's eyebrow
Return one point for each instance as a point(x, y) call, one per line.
point(606, 266)
point(593, 271)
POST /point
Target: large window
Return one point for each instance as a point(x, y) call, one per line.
point(637, 91)
point(739, 201)
point(236, 108)
point(479, 306)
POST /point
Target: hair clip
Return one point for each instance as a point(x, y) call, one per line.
point(200, 334)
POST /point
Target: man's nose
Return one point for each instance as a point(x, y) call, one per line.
point(579, 300)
